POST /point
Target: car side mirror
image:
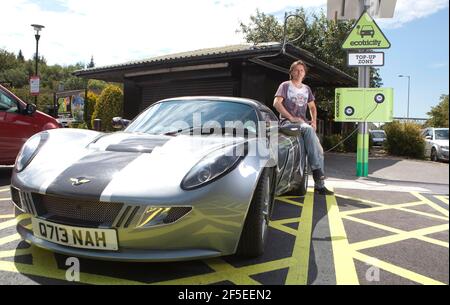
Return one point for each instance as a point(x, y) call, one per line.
point(30, 109)
point(291, 130)
point(119, 123)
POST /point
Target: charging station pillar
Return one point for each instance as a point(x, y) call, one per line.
point(362, 150)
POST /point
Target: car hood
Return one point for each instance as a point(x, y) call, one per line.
point(441, 142)
point(117, 165)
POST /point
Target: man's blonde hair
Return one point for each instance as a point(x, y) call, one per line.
point(296, 63)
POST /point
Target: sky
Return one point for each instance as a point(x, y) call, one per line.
point(120, 31)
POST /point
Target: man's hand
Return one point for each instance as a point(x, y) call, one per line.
point(314, 125)
point(296, 120)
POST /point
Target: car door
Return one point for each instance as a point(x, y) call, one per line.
point(15, 127)
point(288, 154)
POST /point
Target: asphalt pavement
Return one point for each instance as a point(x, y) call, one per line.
point(388, 228)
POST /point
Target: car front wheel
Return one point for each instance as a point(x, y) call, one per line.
point(254, 234)
point(434, 156)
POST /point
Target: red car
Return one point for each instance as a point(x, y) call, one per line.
point(18, 122)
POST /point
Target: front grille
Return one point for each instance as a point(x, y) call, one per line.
point(77, 211)
point(176, 213)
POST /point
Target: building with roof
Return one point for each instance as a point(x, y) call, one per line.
point(244, 70)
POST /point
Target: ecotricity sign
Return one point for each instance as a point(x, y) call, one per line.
point(366, 35)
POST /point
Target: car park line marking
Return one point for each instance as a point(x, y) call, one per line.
point(444, 199)
point(13, 253)
point(5, 199)
point(388, 207)
point(298, 273)
point(413, 276)
point(431, 204)
point(6, 216)
point(343, 261)
point(8, 223)
point(44, 265)
point(4, 190)
point(403, 235)
point(406, 234)
point(8, 239)
point(215, 277)
point(237, 278)
point(287, 200)
point(284, 229)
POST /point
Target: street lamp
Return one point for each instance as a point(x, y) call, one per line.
point(409, 87)
point(37, 28)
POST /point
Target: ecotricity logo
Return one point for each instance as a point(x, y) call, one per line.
point(366, 43)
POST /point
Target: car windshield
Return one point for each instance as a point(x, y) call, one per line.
point(378, 134)
point(441, 134)
point(181, 116)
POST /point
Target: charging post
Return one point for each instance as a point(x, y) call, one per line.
point(363, 39)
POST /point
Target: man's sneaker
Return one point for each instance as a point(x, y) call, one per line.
point(323, 191)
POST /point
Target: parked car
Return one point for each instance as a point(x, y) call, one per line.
point(151, 193)
point(436, 143)
point(18, 122)
point(378, 137)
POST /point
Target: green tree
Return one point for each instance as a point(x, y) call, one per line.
point(439, 114)
point(109, 105)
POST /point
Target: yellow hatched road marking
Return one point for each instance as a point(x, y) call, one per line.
point(298, 273)
point(8, 223)
point(16, 252)
point(284, 229)
point(5, 199)
point(223, 275)
point(382, 206)
point(6, 216)
point(413, 276)
point(444, 199)
point(343, 260)
point(4, 190)
point(431, 204)
point(403, 235)
point(233, 274)
point(8, 239)
point(286, 200)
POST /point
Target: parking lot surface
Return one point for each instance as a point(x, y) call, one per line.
point(394, 235)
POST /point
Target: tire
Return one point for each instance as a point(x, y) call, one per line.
point(304, 184)
point(256, 226)
point(434, 156)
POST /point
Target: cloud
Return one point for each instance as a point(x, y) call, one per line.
point(438, 65)
point(120, 31)
point(407, 11)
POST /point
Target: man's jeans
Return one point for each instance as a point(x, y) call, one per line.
point(314, 150)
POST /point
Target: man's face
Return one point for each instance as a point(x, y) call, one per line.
point(298, 73)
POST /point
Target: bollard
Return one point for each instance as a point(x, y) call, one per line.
point(97, 124)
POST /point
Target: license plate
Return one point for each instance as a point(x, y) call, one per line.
point(86, 238)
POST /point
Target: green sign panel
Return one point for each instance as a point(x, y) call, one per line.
point(364, 104)
point(366, 35)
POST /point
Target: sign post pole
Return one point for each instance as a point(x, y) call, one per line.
point(362, 150)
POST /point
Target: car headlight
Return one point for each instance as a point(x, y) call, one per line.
point(214, 166)
point(29, 150)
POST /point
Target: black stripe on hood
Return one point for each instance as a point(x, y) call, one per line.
point(139, 144)
point(99, 168)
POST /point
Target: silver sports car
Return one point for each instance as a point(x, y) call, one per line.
point(189, 178)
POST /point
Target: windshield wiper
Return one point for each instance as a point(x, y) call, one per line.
point(190, 129)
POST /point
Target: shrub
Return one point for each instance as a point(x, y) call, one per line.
point(109, 105)
point(331, 141)
point(91, 101)
point(404, 139)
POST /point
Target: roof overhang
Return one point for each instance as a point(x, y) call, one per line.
point(271, 56)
